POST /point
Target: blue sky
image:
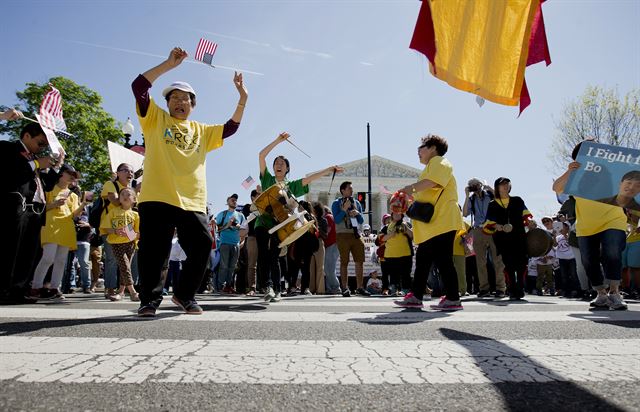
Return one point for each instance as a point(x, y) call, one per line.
point(328, 67)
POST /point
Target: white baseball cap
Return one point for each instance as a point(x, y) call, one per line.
point(184, 86)
point(366, 227)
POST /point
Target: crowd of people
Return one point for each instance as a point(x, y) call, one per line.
point(157, 238)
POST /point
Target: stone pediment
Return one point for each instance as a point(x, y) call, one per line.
point(380, 167)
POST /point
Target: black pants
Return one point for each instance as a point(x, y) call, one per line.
point(437, 250)
point(268, 258)
point(399, 269)
point(385, 274)
point(157, 223)
point(18, 256)
point(515, 267)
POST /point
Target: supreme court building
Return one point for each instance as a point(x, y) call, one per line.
point(386, 175)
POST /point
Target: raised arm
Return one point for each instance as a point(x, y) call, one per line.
point(262, 156)
point(176, 57)
point(323, 172)
point(561, 182)
point(242, 91)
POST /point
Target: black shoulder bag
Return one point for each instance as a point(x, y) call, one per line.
point(423, 211)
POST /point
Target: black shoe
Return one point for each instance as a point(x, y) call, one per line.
point(484, 294)
point(147, 311)
point(346, 293)
point(190, 307)
point(499, 294)
point(363, 292)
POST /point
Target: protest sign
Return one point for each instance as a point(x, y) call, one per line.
point(607, 174)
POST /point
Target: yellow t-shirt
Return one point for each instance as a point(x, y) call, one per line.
point(108, 187)
point(447, 215)
point(396, 246)
point(59, 227)
point(594, 217)
point(118, 218)
point(175, 159)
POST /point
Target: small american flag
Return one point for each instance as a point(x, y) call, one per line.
point(51, 110)
point(205, 51)
point(246, 183)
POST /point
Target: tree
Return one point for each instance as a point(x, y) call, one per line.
point(90, 124)
point(599, 113)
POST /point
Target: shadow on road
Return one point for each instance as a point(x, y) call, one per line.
point(15, 328)
point(555, 394)
point(406, 316)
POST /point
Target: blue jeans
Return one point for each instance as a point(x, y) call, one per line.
point(331, 255)
point(69, 277)
point(605, 247)
point(228, 261)
point(85, 264)
point(110, 265)
point(134, 268)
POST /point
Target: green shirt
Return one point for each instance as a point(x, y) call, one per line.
point(267, 180)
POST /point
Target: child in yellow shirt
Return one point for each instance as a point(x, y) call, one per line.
point(122, 227)
point(58, 236)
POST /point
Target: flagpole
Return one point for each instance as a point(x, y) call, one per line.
point(55, 130)
point(369, 174)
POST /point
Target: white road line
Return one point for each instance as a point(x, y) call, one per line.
point(169, 312)
point(81, 360)
point(320, 301)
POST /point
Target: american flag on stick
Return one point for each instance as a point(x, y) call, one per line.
point(51, 110)
point(246, 183)
point(205, 51)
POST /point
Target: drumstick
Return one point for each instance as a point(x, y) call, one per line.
point(332, 177)
point(298, 148)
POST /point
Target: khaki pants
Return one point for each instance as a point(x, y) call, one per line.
point(482, 241)
point(545, 276)
point(349, 243)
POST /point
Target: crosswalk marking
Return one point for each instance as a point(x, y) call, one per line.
point(115, 360)
point(170, 313)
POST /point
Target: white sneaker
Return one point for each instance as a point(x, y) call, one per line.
point(270, 294)
point(616, 302)
point(426, 297)
point(601, 301)
point(307, 292)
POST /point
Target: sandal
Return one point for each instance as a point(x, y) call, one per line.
point(250, 293)
point(135, 297)
point(385, 292)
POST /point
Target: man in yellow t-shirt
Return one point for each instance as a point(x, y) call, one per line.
point(436, 185)
point(174, 192)
point(601, 231)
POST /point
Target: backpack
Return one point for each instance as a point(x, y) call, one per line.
point(98, 207)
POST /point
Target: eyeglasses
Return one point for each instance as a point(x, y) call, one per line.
point(178, 98)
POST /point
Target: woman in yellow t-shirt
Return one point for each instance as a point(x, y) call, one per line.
point(58, 235)
point(601, 231)
point(122, 227)
point(436, 185)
